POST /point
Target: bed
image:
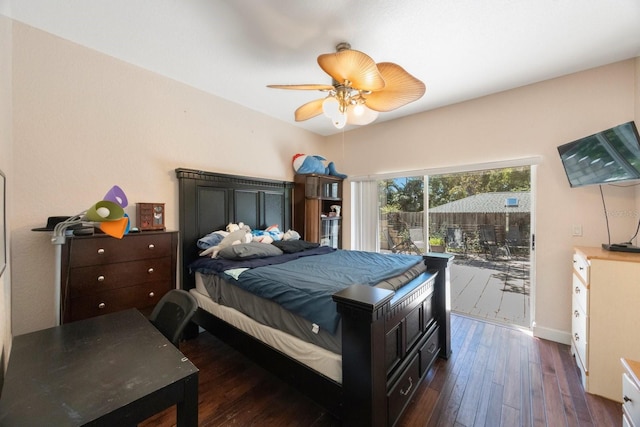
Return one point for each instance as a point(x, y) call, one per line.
point(387, 336)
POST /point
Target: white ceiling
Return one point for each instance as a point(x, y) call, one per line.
point(461, 49)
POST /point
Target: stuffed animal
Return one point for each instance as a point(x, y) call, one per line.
point(231, 227)
point(236, 237)
point(268, 235)
point(304, 164)
point(291, 235)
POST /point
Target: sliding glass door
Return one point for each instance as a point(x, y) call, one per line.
point(483, 218)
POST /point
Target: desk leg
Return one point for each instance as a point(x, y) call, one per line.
point(187, 410)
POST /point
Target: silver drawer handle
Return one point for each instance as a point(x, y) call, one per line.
point(577, 290)
point(100, 251)
point(102, 305)
point(150, 270)
point(100, 278)
point(152, 246)
point(151, 294)
point(577, 338)
point(576, 313)
point(404, 393)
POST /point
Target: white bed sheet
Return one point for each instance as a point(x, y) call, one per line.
point(317, 358)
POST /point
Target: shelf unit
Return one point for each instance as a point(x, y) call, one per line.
point(314, 215)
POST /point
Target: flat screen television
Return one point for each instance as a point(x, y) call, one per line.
point(606, 157)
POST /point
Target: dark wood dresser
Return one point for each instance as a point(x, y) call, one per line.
point(101, 274)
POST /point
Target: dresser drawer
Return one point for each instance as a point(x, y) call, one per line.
point(104, 277)
point(99, 250)
point(580, 334)
point(141, 296)
point(581, 267)
point(631, 398)
point(403, 389)
point(429, 352)
point(626, 422)
point(580, 293)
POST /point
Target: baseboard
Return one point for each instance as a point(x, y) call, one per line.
point(562, 337)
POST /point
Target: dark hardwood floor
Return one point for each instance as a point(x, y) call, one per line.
point(496, 376)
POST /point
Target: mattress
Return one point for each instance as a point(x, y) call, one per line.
point(266, 312)
point(315, 357)
point(272, 314)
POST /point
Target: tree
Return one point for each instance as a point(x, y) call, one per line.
point(405, 194)
point(451, 187)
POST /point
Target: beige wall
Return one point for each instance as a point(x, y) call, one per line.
point(6, 165)
point(529, 121)
point(83, 121)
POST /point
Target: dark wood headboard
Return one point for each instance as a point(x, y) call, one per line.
point(209, 201)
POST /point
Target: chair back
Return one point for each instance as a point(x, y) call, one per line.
point(172, 314)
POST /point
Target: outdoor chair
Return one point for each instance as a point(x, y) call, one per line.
point(490, 244)
point(456, 239)
point(416, 235)
point(515, 240)
point(401, 244)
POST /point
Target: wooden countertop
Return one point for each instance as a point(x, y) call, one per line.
point(592, 252)
point(633, 369)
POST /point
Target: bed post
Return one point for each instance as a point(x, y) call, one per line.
point(363, 354)
point(442, 294)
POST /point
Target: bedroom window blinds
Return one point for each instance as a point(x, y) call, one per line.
point(365, 203)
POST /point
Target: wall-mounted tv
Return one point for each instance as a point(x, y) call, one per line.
point(606, 157)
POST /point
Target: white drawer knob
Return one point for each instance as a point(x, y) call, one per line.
point(150, 270)
point(102, 305)
point(576, 337)
point(100, 278)
point(152, 246)
point(151, 294)
point(100, 251)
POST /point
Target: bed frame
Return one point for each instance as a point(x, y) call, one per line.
point(389, 339)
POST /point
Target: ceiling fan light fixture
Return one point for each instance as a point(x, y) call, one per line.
point(366, 116)
point(330, 107)
point(360, 90)
point(340, 120)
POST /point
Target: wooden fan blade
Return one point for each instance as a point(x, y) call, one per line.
point(303, 87)
point(355, 66)
point(309, 110)
point(401, 88)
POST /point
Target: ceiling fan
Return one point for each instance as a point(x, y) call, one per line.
point(361, 88)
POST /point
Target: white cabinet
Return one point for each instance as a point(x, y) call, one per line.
point(604, 317)
point(630, 393)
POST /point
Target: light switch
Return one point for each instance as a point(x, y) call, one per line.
point(577, 230)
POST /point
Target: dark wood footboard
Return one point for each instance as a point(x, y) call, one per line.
point(390, 341)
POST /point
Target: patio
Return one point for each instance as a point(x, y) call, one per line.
point(494, 289)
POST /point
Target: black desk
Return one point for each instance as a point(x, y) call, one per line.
point(111, 370)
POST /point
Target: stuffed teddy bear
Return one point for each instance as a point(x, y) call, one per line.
point(241, 234)
point(303, 164)
point(231, 227)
